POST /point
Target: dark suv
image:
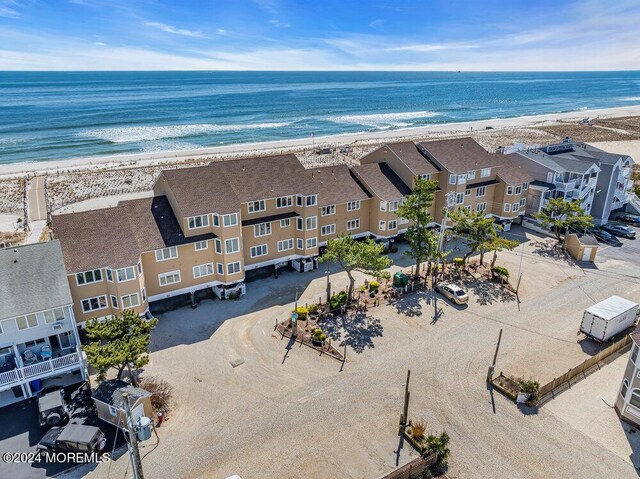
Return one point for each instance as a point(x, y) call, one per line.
point(52, 410)
point(631, 219)
point(73, 438)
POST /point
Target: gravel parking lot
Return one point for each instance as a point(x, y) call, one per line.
point(248, 405)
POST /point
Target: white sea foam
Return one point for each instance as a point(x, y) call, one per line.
point(384, 120)
point(630, 98)
point(150, 133)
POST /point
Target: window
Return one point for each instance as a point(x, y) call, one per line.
point(299, 200)
point(53, 315)
point(202, 270)
point(260, 250)
point(509, 190)
point(285, 223)
point(452, 179)
point(230, 220)
point(113, 411)
point(233, 268)
point(382, 225)
point(144, 294)
point(300, 243)
point(471, 174)
point(312, 223)
point(525, 186)
point(198, 221)
point(130, 301)
point(484, 172)
point(393, 206)
point(139, 267)
point(88, 277)
point(481, 207)
point(312, 242)
point(232, 245)
point(216, 220)
point(263, 229)
point(625, 388)
point(518, 190)
point(109, 272)
point(327, 230)
point(353, 224)
point(459, 198)
point(328, 210)
point(403, 221)
point(26, 322)
point(200, 245)
point(481, 191)
point(284, 201)
point(507, 207)
point(426, 176)
point(166, 253)
point(634, 353)
point(635, 398)
point(125, 274)
point(353, 205)
point(515, 207)
point(462, 179)
point(218, 244)
point(300, 224)
point(255, 206)
point(114, 302)
point(393, 224)
point(220, 268)
point(285, 245)
point(165, 279)
point(467, 207)
point(312, 200)
point(467, 192)
point(522, 202)
point(94, 304)
point(383, 206)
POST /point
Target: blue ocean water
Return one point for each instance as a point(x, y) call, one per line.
point(56, 115)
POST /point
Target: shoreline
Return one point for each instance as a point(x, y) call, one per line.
point(142, 159)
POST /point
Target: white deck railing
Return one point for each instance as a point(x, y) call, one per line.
point(21, 374)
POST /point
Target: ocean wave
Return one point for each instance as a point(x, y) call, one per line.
point(630, 98)
point(384, 120)
point(151, 133)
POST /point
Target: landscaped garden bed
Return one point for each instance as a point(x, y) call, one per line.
point(517, 389)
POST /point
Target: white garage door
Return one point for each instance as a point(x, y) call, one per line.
point(586, 256)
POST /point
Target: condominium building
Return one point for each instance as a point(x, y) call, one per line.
point(39, 344)
point(575, 171)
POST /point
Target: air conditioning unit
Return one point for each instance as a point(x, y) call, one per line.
point(58, 324)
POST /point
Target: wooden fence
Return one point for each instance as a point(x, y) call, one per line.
point(414, 468)
point(549, 390)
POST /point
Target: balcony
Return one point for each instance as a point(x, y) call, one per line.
point(566, 186)
point(40, 369)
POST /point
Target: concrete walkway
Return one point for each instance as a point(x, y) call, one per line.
point(37, 204)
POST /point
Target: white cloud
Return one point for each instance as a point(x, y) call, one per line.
point(376, 24)
point(10, 8)
point(176, 31)
point(278, 23)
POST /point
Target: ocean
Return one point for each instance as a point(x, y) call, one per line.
point(56, 115)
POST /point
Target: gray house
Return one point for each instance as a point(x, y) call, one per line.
point(578, 172)
point(39, 344)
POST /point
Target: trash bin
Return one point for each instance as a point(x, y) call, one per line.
point(400, 280)
point(35, 385)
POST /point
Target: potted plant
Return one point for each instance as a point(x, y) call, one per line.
point(313, 309)
point(318, 337)
point(302, 313)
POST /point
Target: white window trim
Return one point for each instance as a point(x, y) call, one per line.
point(229, 265)
point(471, 174)
point(482, 189)
point(332, 210)
point(161, 251)
point(286, 224)
point(357, 227)
point(107, 272)
point(92, 271)
point(232, 223)
point(287, 242)
point(314, 200)
point(196, 248)
point(288, 199)
point(507, 207)
point(452, 179)
point(256, 230)
point(484, 172)
point(262, 247)
point(392, 225)
point(218, 246)
point(332, 228)
point(484, 207)
point(220, 268)
point(197, 268)
point(509, 190)
point(25, 316)
point(226, 249)
point(251, 206)
point(133, 268)
point(203, 218)
point(299, 243)
point(459, 198)
point(382, 225)
point(353, 205)
point(314, 240)
point(306, 223)
point(137, 296)
point(94, 297)
point(166, 275)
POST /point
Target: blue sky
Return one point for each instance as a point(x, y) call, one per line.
point(319, 35)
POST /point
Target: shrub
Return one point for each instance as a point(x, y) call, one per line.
point(530, 387)
point(313, 308)
point(500, 271)
point(439, 444)
point(458, 261)
point(161, 393)
point(373, 286)
point(318, 335)
point(302, 313)
point(417, 430)
point(363, 288)
point(338, 300)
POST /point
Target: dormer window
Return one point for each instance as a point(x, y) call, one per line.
point(198, 221)
point(484, 172)
point(255, 206)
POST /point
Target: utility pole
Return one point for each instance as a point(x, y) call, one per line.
point(449, 202)
point(134, 453)
point(328, 289)
point(294, 318)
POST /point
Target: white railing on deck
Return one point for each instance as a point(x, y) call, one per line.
point(19, 374)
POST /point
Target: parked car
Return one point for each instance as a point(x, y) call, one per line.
point(453, 293)
point(72, 438)
point(52, 410)
point(631, 219)
point(603, 236)
point(620, 230)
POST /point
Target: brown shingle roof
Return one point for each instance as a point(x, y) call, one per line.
point(409, 154)
point(222, 186)
point(115, 237)
point(381, 180)
point(336, 185)
point(511, 172)
point(459, 155)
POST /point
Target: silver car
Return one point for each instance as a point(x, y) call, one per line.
point(453, 293)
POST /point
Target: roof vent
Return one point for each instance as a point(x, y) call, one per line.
point(242, 167)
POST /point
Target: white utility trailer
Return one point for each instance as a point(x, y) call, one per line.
point(609, 317)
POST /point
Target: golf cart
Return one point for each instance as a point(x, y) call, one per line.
point(52, 410)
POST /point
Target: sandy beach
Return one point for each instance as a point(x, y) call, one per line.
point(81, 183)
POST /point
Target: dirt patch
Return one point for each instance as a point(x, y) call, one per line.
point(629, 123)
point(13, 237)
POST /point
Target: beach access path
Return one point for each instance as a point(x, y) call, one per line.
point(37, 205)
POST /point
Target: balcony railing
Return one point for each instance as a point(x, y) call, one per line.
point(19, 375)
point(564, 186)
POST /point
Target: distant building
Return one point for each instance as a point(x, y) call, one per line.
point(39, 344)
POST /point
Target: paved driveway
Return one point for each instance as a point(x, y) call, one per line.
point(248, 405)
